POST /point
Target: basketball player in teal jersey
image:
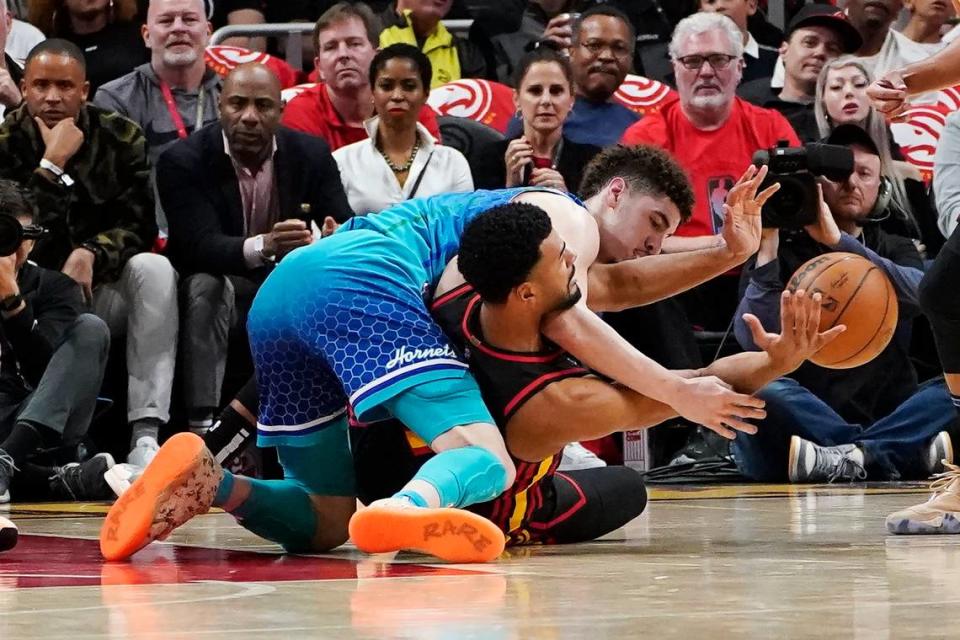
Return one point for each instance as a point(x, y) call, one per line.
point(343, 323)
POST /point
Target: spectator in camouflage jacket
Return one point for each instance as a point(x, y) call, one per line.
point(88, 174)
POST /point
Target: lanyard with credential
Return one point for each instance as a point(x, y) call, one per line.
point(175, 112)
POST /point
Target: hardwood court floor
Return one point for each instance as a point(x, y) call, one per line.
point(731, 562)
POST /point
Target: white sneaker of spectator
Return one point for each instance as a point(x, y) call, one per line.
point(121, 476)
point(577, 457)
point(144, 451)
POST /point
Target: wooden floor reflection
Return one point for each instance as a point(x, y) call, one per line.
point(719, 562)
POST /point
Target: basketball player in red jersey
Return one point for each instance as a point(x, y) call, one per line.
point(518, 272)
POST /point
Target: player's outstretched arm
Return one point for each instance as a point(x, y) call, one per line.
point(941, 70)
point(588, 408)
point(706, 401)
point(578, 409)
point(641, 281)
point(781, 353)
point(594, 343)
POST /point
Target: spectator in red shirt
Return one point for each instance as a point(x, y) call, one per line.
point(713, 134)
point(336, 108)
point(710, 131)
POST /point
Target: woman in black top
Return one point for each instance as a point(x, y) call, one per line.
point(541, 156)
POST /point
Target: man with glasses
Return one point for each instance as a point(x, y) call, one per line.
point(601, 55)
point(709, 130)
point(713, 134)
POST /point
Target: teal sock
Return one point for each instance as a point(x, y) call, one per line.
point(463, 476)
point(277, 510)
point(224, 490)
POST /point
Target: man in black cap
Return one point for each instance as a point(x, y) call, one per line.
point(817, 34)
point(867, 422)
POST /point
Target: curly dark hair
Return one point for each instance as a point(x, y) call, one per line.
point(500, 247)
point(646, 170)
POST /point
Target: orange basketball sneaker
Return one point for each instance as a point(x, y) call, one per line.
point(455, 535)
point(178, 484)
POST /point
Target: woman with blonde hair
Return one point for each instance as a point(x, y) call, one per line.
point(841, 98)
point(105, 30)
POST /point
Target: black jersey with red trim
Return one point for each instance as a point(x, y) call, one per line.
point(507, 380)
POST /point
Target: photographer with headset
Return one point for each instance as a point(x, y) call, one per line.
point(869, 421)
point(52, 359)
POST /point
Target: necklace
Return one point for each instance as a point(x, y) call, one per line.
point(406, 165)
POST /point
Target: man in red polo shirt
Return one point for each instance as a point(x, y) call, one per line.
point(711, 132)
point(336, 107)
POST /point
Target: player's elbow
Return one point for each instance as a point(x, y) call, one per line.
point(599, 298)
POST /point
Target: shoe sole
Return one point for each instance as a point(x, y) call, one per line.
point(581, 466)
point(794, 458)
point(180, 483)
point(8, 535)
point(905, 526)
point(454, 535)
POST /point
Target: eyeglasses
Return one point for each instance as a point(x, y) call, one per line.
point(618, 49)
point(718, 61)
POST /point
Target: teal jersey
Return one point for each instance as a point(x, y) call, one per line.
point(430, 228)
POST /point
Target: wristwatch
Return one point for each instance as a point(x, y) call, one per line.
point(258, 247)
point(62, 176)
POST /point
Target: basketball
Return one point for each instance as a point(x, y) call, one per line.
point(856, 293)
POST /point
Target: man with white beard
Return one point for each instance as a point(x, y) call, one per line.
point(710, 131)
point(713, 134)
point(174, 93)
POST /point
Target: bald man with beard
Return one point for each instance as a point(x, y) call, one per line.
point(239, 194)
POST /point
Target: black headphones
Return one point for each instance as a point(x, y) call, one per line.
point(881, 206)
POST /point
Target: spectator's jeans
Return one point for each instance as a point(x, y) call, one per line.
point(895, 447)
point(142, 305)
point(66, 395)
point(212, 305)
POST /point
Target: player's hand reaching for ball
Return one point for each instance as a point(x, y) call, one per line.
point(741, 213)
point(800, 336)
point(713, 403)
